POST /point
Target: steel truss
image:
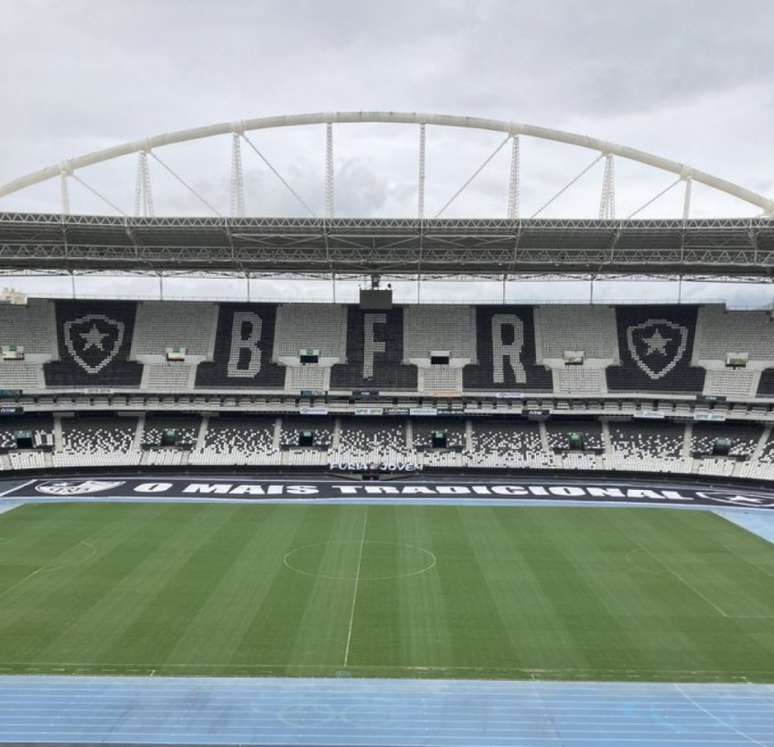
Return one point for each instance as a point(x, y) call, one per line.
point(733, 247)
point(67, 169)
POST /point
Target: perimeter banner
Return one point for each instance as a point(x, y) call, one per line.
point(207, 488)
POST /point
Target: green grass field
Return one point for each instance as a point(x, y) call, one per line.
point(570, 593)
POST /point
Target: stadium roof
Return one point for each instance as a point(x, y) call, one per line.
point(513, 130)
point(737, 247)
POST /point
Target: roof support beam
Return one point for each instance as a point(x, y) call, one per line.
point(329, 185)
point(237, 178)
point(421, 175)
point(330, 118)
point(514, 183)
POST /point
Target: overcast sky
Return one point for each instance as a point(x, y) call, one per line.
point(687, 80)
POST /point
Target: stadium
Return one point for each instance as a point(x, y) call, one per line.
point(387, 489)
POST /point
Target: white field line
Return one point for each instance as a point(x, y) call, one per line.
point(18, 487)
point(48, 569)
point(686, 583)
point(354, 592)
point(21, 581)
point(717, 718)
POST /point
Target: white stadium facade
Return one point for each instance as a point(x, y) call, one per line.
point(375, 387)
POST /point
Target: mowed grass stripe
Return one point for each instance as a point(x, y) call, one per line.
point(303, 616)
point(72, 579)
point(405, 607)
point(324, 639)
point(241, 591)
point(630, 594)
point(201, 553)
point(524, 581)
point(399, 616)
point(129, 587)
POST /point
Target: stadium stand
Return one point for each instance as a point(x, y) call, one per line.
point(652, 446)
point(19, 460)
point(736, 440)
point(26, 432)
point(760, 465)
point(439, 341)
point(171, 339)
point(371, 439)
point(740, 384)
point(766, 455)
point(161, 325)
point(505, 338)
point(168, 377)
point(654, 388)
point(734, 347)
point(94, 340)
point(561, 431)
point(163, 430)
point(559, 443)
point(33, 328)
point(178, 347)
point(431, 434)
point(306, 432)
point(501, 442)
point(439, 442)
point(591, 329)
point(97, 441)
point(655, 345)
point(309, 340)
point(719, 332)
point(238, 439)
point(243, 350)
point(374, 353)
point(21, 375)
point(577, 344)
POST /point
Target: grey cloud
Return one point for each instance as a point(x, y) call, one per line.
point(668, 76)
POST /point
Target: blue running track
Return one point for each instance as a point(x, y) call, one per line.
point(61, 710)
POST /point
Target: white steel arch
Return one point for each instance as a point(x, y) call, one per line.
point(512, 129)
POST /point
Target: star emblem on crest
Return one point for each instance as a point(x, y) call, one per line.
point(656, 343)
point(93, 341)
point(657, 346)
point(93, 338)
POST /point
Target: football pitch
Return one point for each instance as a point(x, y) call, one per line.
point(384, 591)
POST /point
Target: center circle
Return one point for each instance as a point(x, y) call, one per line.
point(358, 557)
